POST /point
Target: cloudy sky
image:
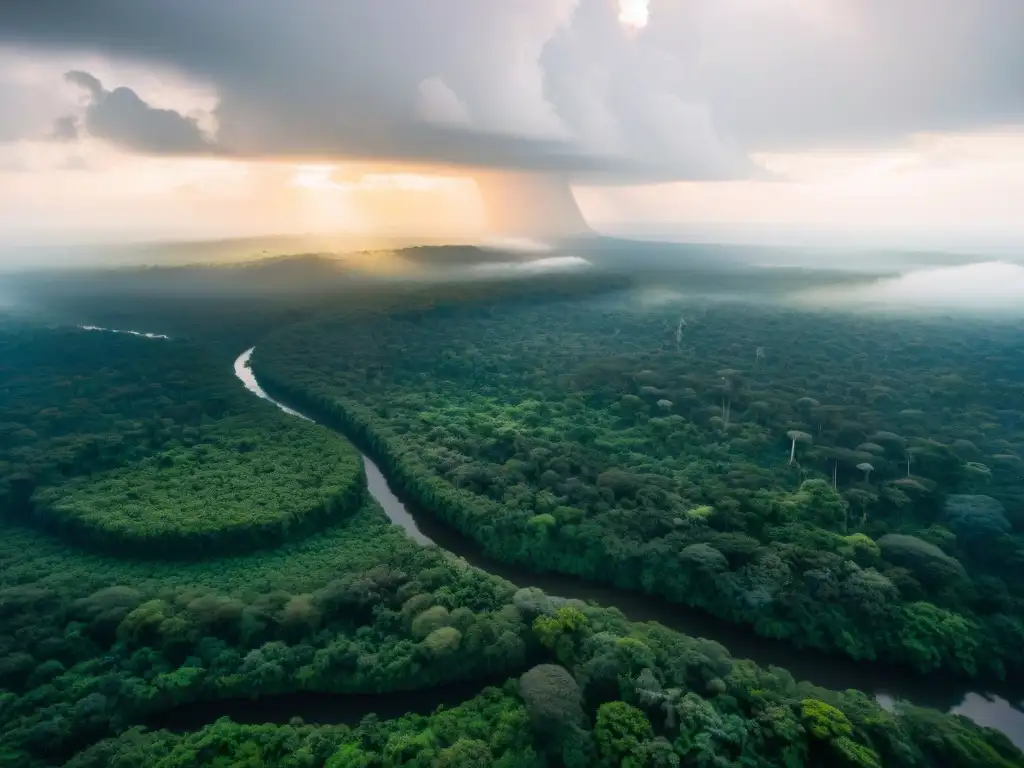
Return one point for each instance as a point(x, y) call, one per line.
point(724, 119)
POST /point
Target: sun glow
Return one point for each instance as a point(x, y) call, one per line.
point(323, 177)
point(391, 198)
point(634, 14)
point(314, 177)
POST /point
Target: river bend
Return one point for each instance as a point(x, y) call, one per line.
point(991, 706)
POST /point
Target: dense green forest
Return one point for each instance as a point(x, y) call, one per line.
point(543, 719)
point(850, 483)
point(148, 445)
point(94, 645)
point(116, 608)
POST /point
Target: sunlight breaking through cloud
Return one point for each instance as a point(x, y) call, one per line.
point(634, 14)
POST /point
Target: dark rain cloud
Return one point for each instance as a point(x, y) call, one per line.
point(548, 84)
point(121, 117)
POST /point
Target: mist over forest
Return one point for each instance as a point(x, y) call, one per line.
point(533, 384)
point(816, 466)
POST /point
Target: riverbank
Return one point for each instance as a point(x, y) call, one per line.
point(996, 705)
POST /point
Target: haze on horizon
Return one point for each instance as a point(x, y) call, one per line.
point(845, 122)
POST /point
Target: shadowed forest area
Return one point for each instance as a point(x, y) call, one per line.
point(170, 543)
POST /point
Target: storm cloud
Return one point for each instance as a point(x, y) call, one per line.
point(546, 85)
point(121, 117)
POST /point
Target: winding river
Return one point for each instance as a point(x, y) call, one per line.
point(991, 706)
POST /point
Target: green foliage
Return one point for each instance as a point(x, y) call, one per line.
point(444, 641)
point(620, 730)
point(861, 549)
point(93, 644)
point(552, 698)
point(828, 724)
point(350, 756)
point(954, 740)
point(933, 638)
point(320, 614)
point(543, 522)
point(433, 618)
point(216, 645)
point(704, 556)
point(916, 554)
point(213, 492)
point(824, 721)
point(490, 729)
point(562, 632)
point(818, 503)
point(566, 622)
point(604, 449)
point(976, 519)
point(145, 446)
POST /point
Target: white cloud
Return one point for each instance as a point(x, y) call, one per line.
point(534, 266)
point(988, 287)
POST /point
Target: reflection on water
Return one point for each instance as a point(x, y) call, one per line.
point(392, 506)
point(887, 684)
point(131, 333)
point(375, 481)
point(995, 712)
point(244, 372)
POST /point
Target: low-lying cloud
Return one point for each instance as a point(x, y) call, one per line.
point(532, 266)
point(994, 287)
